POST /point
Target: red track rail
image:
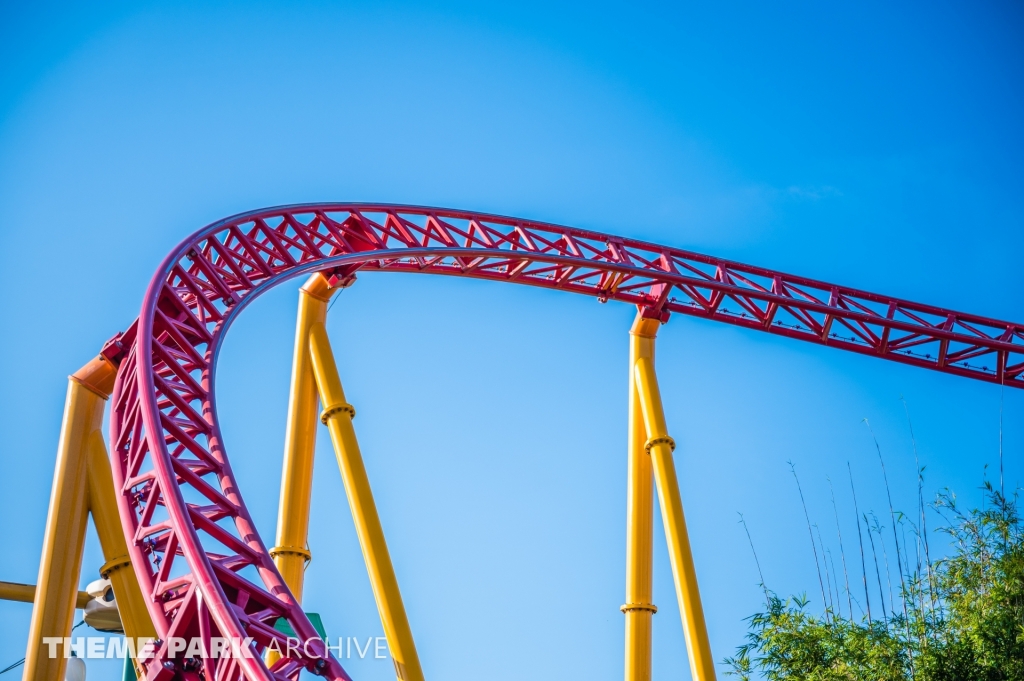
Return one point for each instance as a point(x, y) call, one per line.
point(198, 557)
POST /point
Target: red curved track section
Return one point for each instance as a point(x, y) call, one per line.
point(198, 557)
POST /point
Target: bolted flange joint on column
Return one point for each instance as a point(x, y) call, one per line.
point(639, 606)
point(330, 411)
point(662, 440)
point(293, 550)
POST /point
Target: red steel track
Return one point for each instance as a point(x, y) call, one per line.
point(200, 562)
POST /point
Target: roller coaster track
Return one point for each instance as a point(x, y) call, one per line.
point(203, 567)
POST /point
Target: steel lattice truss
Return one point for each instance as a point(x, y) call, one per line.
point(200, 562)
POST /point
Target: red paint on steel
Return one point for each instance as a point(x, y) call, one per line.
point(200, 562)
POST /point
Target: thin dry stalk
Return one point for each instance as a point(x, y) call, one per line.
point(896, 540)
point(878, 573)
point(862, 613)
point(839, 603)
point(860, 538)
point(923, 534)
point(810, 533)
point(760, 574)
point(824, 560)
point(842, 551)
point(878, 527)
point(1002, 388)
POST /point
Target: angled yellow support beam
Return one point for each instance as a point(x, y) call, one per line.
point(337, 415)
point(82, 482)
point(292, 551)
point(639, 608)
point(660, 447)
point(131, 606)
point(26, 593)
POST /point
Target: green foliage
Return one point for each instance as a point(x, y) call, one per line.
point(964, 622)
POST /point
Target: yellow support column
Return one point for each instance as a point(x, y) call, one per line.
point(61, 562)
point(292, 551)
point(81, 481)
point(131, 606)
point(639, 608)
point(660, 447)
point(337, 415)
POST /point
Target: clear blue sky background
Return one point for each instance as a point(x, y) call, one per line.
point(871, 144)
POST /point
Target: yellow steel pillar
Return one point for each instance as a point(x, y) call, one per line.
point(660, 447)
point(639, 608)
point(82, 481)
point(64, 540)
point(131, 606)
point(292, 551)
point(337, 415)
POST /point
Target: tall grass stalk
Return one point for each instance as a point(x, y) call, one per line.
point(895, 538)
point(807, 516)
point(913, 578)
point(859, 606)
point(860, 539)
point(878, 527)
point(918, 580)
point(824, 561)
point(923, 533)
point(760, 574)
point(1002, 389)
point(842, 551)
point(878, 573)
point(839, 595)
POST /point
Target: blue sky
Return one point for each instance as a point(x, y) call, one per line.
point(866, 144)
